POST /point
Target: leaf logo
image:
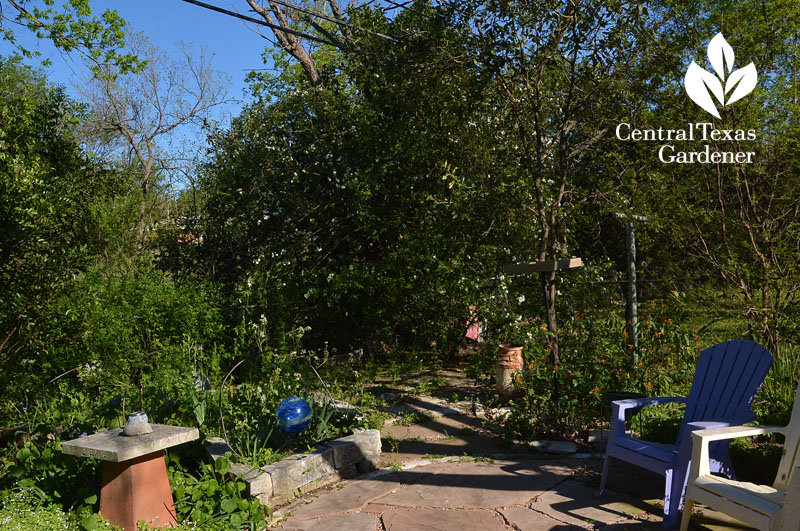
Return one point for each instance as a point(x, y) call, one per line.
point(701, 84)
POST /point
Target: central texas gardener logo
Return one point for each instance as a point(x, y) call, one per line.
point(719, 146)
point(701, 84)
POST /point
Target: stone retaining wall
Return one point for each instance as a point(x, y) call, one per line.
point(297, 474)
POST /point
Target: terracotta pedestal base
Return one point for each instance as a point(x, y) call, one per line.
point(137, 489)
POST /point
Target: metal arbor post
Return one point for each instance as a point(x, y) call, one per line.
point(632, 306)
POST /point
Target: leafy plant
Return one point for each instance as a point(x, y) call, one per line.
point(35, 463)
point(49, 230)
point(392, 441)
point(212, 499)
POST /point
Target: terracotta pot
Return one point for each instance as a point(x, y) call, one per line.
point(509, 361)
point(509, 356)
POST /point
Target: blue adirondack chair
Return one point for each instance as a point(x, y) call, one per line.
point(726, 380)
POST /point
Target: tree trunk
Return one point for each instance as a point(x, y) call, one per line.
point(148, 164)
point(289, 42)
point(549, 291)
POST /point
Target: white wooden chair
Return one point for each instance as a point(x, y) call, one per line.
point(768, 508)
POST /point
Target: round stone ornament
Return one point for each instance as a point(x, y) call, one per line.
point(294, 414)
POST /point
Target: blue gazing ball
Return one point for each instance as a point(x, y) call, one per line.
point(294, 414)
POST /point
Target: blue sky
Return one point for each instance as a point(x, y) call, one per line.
point(236, 48)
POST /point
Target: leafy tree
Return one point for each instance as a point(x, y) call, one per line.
point(71, 28)
point(737, 224)
point(558, 67)
point(47, 190)
point(487, 134)
point(422, 167)
point(357, 211)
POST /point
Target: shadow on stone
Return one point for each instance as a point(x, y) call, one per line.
point(476, 484)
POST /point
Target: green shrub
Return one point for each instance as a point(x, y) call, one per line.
point(109, 323)
point(595, 358)
point(774, 402)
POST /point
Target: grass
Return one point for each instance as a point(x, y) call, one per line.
point(475, 459)
point(415, 417)
point(447, 436)
point(774, 402)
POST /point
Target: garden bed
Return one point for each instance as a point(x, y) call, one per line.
point(279, 483)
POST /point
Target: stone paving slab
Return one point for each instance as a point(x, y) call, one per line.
point(555, 447)
point(441, 520)
point(353, 496)
point(441, 436)
point(527, 518)
point(376, 508)
point(348, 522)
point(573, 502)
point(425, 468)
point(481, 485)
point(635, 525)
point(436, 428)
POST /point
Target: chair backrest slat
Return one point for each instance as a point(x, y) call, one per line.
point(726, 380)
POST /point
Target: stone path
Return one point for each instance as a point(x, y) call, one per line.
point(445, 469)
point(434, 426)
point(460, 494)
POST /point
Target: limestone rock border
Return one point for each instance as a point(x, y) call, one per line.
point(279, 483)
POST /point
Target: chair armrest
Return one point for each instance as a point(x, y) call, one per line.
point(618, 408)
point(705, 426)
point(702, 437)
point(647, 401)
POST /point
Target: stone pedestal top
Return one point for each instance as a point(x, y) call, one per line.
point(113, 446)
